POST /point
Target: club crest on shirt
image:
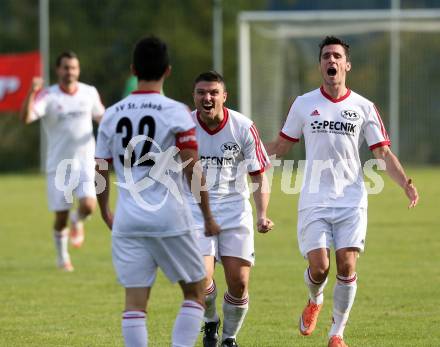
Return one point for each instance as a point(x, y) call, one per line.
point(230, 149)
point(350, 115)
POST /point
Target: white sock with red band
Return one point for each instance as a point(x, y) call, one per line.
point(187, 325)
point(316, 289)
point(234, 312)
point(210, 296)
point(134, 329)
point(343, 298)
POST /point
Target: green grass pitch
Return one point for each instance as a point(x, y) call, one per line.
point(398, 288)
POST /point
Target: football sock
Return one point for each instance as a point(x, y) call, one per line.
point(134, 329)
point(187, 325)
point(234, 311)
point(343, 298)
point(210, 296)
point(61, 240)
point(316, 289)
point(76, 217)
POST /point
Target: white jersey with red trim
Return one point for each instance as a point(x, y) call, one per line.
point(334, 130)
point(227, 154)
point(67, 121)
point(151, 201)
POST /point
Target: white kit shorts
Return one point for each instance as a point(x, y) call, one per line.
point(136, 259)
point(323, 227)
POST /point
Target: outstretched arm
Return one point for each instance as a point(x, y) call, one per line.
point(396, 172)
point(28, 104)
point(261, 198)
point(280, 147)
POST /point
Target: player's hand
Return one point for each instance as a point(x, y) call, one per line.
point(37, 84)
point(211, 227)
point(264, 225)
point(411, 193)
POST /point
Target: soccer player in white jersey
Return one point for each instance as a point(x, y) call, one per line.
point(152, 226)
point(229, 150)
point(66, 110)
point(335, 121)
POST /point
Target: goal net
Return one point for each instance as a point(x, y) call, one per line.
point(394, 58)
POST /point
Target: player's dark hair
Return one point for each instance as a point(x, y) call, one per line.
point(65, 54)
point(150, 58)
point(332, 40)
point(210, 76)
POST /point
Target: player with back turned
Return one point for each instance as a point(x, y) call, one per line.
point(152, 227)
point(335, 121)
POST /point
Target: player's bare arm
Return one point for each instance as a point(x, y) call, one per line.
point(261, 198)
point(196, 180)
point(280, 147)
point(397, 173)
point(102, 169)
point(28, 104)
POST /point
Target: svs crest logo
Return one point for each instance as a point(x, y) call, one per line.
point(8, 85)
point(350, 115)
point(230, 148)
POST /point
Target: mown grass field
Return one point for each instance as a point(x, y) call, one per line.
point(398, 287)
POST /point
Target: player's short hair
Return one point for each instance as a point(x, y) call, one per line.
point(332, 40)
point(210, 76)
point(150, 58)
point(65, 54)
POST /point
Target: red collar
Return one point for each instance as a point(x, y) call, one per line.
point(219, 127)
point(329, 97)
point(145, 92)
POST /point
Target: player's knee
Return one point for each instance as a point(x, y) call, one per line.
point(319, 273)
point(346, 269)
point(238, 287)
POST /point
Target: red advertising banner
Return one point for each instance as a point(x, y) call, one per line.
point(16, 73)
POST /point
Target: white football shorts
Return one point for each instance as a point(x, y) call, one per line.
point(235, 242)
point(236, 238)
point(136, 259)
point(60, 192)
point(324, 227)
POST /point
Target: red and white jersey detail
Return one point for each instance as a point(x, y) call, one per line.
point(228, 154)
point(168, 124)
point(333, 175)
point(67, 121)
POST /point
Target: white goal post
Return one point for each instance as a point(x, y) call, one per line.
point(265, 60)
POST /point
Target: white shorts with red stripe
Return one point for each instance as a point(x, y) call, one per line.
point(324, 227)
point(136, 259)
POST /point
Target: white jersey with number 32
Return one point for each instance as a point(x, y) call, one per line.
point(151, 200)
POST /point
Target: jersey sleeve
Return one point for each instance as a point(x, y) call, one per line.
point(254, 153)
point(374, 130)
point(293, 126)
point(97, 106)
point(187, 139)
point(103, 141)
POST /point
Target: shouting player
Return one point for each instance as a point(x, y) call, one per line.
point(335, 121)
point(66, 110)
point(152, 226)
point(229, 150)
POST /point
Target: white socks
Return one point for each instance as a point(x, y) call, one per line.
point(343, 298)
point(316, 289)
point(61, 240)
point(187, 325)
point(234, 311)
point(134, 329)
point(210, 296)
